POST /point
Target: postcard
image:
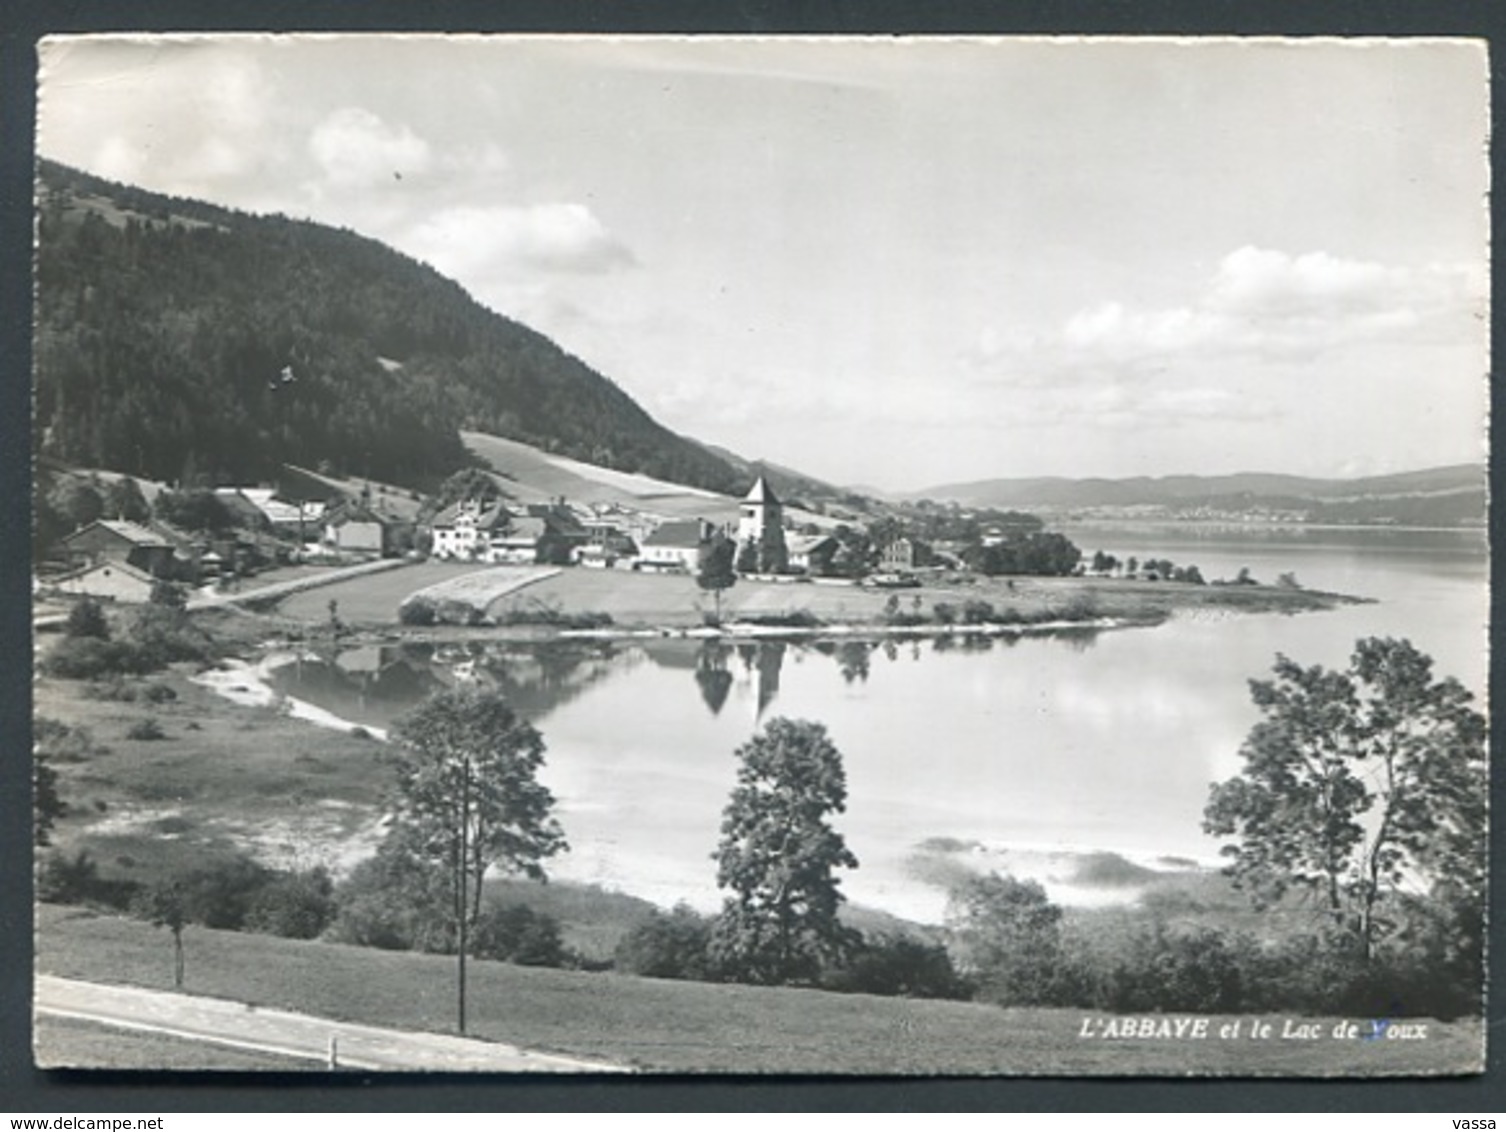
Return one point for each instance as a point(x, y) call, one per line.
point(897, 556)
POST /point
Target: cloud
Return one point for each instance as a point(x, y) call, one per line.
point(354, 148)
point(507, 240)
point(221, 127)
point(1258, 302)
point(1260, 312)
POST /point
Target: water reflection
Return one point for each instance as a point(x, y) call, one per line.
point(1099, 741)
point(377, 684)
point(711, 674)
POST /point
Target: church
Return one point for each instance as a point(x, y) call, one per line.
point(760, 524)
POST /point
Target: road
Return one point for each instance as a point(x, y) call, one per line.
point(210, 600)
point(243, 1026)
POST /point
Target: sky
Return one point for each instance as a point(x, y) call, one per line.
point(898, 263)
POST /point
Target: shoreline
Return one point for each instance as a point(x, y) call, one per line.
point(1112, 604)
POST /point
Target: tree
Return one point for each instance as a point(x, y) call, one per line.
point(747, 557)
point(711, 674)
point(198, 510)
point(78, 501)
point(87, 619)
point(469, 800)
point(168, 594)
point(673, 945)
point(1005, 935)
point(778, 854)
point(163, 906)
point(293, 905)
point(467, 483)
point(714, 569)
point(515, 933)
point(123, 500)
point(773, 553)
point(1356, 784)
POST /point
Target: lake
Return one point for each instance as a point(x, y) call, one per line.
point(1036, 755)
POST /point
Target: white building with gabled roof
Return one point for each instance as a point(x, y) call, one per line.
point(465, 529)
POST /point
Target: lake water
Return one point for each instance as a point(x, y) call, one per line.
point(1027, 754)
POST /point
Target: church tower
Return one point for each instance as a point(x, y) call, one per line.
point(760, 521)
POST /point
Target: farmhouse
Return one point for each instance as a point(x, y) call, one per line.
point(119, 541)
point(810, 552)
point(676, 546)
point(261, 507)
point(607, 548)
point(524, 541)
point(244, 506)
point(355, 529)
point(564, 531)
point(118, 581)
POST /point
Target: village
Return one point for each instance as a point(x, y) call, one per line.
point(311, 525)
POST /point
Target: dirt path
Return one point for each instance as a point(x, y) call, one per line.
point(243, 1026)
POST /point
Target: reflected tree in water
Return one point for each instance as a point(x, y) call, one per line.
point(853, 660)
point(712, 676)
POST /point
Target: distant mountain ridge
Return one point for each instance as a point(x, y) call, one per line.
point(1450, 495)
point(176, 340)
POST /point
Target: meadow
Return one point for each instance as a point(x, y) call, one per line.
point(679, 1027)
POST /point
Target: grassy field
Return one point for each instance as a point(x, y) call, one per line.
point(676, 600)
point(664, 1026)
point(223, 776)
point(372, 599)
point(636, 600)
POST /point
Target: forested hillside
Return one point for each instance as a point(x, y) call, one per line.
point(178, 340)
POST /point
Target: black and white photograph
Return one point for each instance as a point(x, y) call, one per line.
point(848, 556)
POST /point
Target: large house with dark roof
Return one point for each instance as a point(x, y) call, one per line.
point(354, 528)
point(120, 540)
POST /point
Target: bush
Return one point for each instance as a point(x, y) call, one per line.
point(899, 965)
point(88, 658)
point(541, 614)
point(156, 637)
point(169, 594)
point(975, 611)
point(1081, 607)
point(87, 619)
point(220, 895)
point(417, 611)
point(395, 902)
point(146, 729)
point(1005, 935)
point(163, 635)
point(1191, 969)
point(62, 743)
point(293, 905)
point(791, 619)
point(115, 689)
point(515, 933)
point(676, 945)
point(76, 880)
